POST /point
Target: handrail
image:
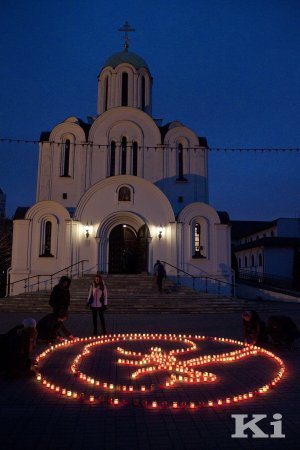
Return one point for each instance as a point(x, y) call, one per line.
point(194, 277)
point(10, 286)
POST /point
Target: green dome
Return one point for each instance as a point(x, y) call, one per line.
point(126, 57)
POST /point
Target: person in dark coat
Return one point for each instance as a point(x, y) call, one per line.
point(254, 328)
point(282, 330)
point(60, 295)
point(160, 274)
point(16, 347)
point(51, 327)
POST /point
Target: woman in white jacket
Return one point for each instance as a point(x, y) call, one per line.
point(97, 301)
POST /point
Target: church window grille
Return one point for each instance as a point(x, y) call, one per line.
point(124, 89)
point(124, 194)
point(66, 158)
point(112, 158)
point(143, 93)
point(134, 158)
point(123, 155)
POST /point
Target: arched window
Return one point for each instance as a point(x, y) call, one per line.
point(260, 260)
point(134, 158)
point(105, 94)
point(180, 163)
point(124, 194)
point(143, 93)
point(246, 262)
point(252, 260)
point(123, 155)
point(240, 263)
point(112, 158)
point(46, 239)
point(66, 158)
point(124, 89)
point(198, 237)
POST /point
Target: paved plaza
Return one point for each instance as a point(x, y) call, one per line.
point(36, 417)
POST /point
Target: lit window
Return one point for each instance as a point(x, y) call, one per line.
point(197, 241)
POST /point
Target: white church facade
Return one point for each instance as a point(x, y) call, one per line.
point(121, 191)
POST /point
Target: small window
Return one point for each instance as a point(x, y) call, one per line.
point(260, 260)
point(134, 158)
point(105, 94)
point(66, 159)
point(246, 262)
point(240, 263)
point(124, 89)
point(180, 163)
point(252, 260)
point(46, 239)
point(112, 158)
point(143, 87)
point(123, 155)
point(124, 194)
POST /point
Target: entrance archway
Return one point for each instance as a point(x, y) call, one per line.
point(128, 249)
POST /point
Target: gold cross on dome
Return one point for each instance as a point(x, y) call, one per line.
point(127, 29)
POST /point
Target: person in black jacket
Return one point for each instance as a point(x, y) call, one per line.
point(159, 273)
point(16, 347)
point(51, 328)
point(60, 295)
point(282, 330)
point(254, 328)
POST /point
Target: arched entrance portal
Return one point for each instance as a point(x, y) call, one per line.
point(128, 249)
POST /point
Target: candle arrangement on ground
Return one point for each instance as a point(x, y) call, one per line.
point(169, 362)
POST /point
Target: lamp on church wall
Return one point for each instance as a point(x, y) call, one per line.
point(160, 231)
point(88, 229)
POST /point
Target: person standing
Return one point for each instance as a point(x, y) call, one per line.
point(97, 301)
point(160, 274)
point(60, 295)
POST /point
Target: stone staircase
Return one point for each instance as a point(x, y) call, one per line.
point(136, 294)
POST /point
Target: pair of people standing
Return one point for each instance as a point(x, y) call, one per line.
point(97, 301)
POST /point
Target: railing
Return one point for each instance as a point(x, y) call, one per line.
point(266, 279)
point(204, 283)
point(45, 281)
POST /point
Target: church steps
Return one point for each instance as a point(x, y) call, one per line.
point(131, 294)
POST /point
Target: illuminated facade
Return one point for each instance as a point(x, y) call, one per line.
point(122, 190)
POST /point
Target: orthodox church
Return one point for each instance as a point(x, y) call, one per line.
point(121, 190)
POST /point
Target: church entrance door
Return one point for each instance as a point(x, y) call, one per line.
point(128, 250)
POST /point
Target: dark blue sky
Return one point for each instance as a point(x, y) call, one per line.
point(228, 69)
